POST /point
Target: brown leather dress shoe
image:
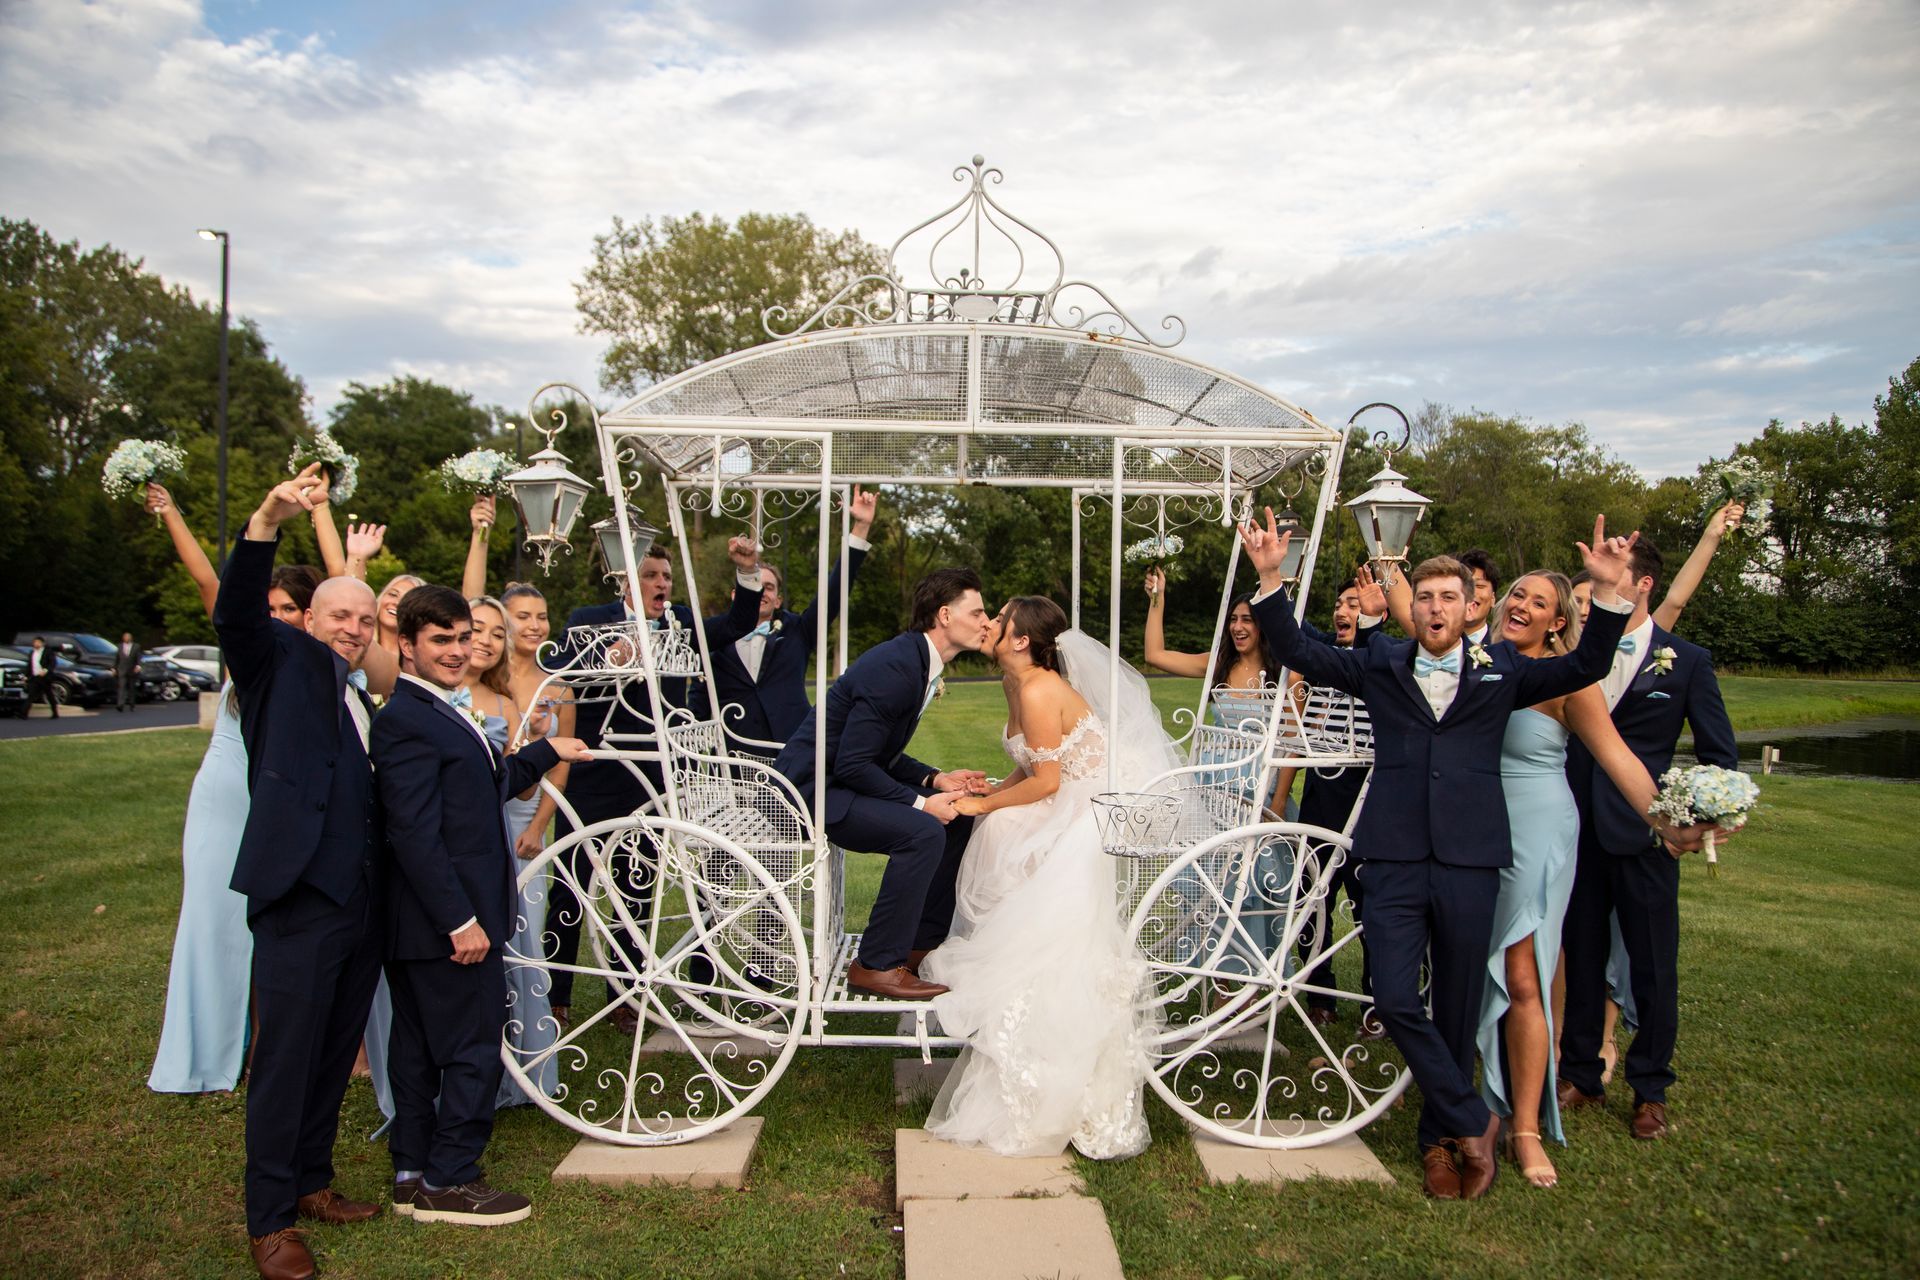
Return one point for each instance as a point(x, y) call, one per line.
point(898, 983)
point(1322, 1016)
point(625, 1021)
point(282, 1255)
point(1441, 1178)
point(1649, 1121)
point(334, 1209)
point(1479, 1160)
point(1571, 1099)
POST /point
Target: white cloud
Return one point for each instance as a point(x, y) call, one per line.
point(1671, 221)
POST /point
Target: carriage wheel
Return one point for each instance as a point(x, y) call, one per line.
point(694, 936)
point(1236, 1051)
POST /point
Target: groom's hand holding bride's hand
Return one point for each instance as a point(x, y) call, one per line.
point(962, 782)
point(944, 805)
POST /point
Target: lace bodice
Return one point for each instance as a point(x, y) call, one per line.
point(1081, 754)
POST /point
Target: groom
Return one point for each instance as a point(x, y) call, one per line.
point(881, 800)
point(1432, 834)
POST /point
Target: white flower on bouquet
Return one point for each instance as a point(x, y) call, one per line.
point(134, 464)
point(343, 469)
point(1742, 480)
point(478, 471)
point(1154, 549)
point(1706, 793)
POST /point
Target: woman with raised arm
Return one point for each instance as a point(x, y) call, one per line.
point(204, 1034)
point(1537, 618)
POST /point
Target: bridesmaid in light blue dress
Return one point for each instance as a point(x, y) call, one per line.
point(1538, 619)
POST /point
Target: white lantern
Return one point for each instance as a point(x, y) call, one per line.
point(1289, 522)
point(1388, 513)
point(548, 496)
point(607, 534)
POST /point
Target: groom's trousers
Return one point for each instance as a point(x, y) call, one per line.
point(1429, 912)
point(1644, 889)
point(914, 908)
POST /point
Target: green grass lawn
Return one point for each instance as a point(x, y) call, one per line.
point(1798, 1108)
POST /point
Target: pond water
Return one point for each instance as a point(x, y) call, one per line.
point(1883, 747)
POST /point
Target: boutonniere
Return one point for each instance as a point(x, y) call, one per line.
point(474, 714)
point(378, 700)
point(939, 687)
point(1480, 657)
point(773, 628)
point(1662, 660)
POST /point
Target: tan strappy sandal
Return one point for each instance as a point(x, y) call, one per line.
point(1542, 1176)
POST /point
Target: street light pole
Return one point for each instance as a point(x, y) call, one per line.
point(207, 233)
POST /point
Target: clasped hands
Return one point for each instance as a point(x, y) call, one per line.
point(956, 794)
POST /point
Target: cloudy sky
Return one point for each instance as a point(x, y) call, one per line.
point(1669, 221)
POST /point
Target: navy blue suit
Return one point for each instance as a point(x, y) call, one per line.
point(1622, 867)
point(603, 789)
point(1432, 834)
point(772, 706)
point(871, 714)
point(443, 785)
point(311, 866)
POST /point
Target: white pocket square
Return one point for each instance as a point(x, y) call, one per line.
point(1657, 694)
point(1490, 677)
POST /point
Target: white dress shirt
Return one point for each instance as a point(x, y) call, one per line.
point(1613, 686)
point(1439, 686)
point(362, 723)
point(37, 664)
point(935, 665)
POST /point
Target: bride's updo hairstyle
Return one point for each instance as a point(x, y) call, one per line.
point(1041, 621)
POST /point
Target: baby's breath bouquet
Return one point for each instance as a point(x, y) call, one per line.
point(1155, 549)
point(478, 471)
point(1742, 480)
point(1706, 793)
point(343, 469)
point(134, 464)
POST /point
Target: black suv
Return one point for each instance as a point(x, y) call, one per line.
point(13, 684)
point(85, 676)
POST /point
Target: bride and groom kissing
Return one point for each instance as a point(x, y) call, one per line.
point(997, 900)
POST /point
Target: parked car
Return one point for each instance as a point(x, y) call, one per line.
point(164, 680)
point(198, 657)
point(13, 685)
point(76, 682)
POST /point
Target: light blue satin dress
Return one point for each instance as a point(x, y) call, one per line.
point(1263, 905)
point(203, 1039)
point(530, 1025)
point(1545, 830)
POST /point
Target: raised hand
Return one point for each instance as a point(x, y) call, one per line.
point(285, 500)
point(862, 506)
point(480, 514)
point(159, 501)
point(1156, 584)
point(1266, 548)
point(365, 540)
point(1726, 519)
point(1609, 561)
point(745, 554)
point(1373, 596)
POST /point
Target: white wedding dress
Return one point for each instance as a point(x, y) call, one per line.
point(1046, 989)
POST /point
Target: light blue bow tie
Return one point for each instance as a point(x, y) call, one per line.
point(1626, 646)
point(1425, 666)
point(764, 629)
point(358, 679)
point(461, 699)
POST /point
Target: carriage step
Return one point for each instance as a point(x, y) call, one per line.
point(717, 1160)
point(1341, 1160)
point(1010, 1240)
point(925, 1168)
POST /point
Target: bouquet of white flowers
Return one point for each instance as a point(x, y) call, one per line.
point(478, 471)
point(343, 469)
point(1741, 480)
point(1706, 793)
point(134, 464)
point(1154, 549)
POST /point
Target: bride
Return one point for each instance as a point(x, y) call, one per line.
point(1044, 982)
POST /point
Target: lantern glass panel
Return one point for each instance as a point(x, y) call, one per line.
point(1396, 522)
point(535, 498)
point(569, 509)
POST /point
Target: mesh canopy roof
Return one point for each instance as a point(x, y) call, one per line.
point(902, 404)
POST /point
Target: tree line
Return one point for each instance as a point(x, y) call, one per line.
point(95, 349)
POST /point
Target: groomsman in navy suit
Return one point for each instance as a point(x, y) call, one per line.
point(1656, 684)
point(1432, 834)
point(607, 788)
point(442, 784)
point(763, 651)
point(312, 868)
point(881, 800)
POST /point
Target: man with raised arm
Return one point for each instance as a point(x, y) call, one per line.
point(313, 871)
point(1432, 833)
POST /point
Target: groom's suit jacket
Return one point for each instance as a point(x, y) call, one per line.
point(1436, 782)
point(315, 815)
point(442, 786)
point(872, 711)
point(774, 704)
point(1649, 718)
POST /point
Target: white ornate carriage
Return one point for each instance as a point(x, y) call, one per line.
point(730, 936)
